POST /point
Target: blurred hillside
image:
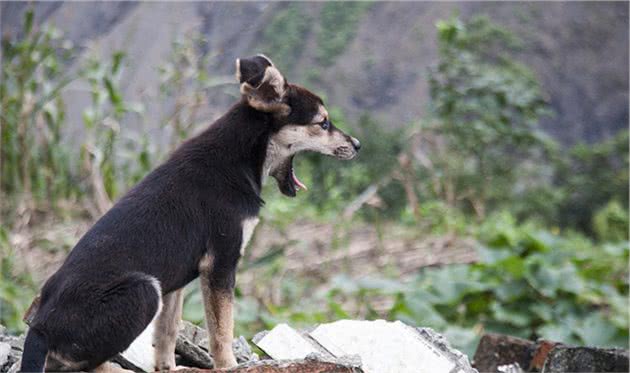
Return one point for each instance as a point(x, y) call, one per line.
point(364, 57)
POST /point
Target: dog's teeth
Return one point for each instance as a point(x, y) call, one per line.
point(297, 182)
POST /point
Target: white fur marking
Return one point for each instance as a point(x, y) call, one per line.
point(238, 70)
point(141, 351)
point(248, 225)
point(265, 57)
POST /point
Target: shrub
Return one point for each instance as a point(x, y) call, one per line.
point(610, 223)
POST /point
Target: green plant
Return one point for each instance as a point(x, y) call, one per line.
point(338, 22)
point(16, 287)
point(610, 223)
point(34, 163)
point(184, 80)
point(487, 107)
point(589, 176)
point(284, 36)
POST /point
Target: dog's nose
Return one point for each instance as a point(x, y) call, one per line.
point(355, 143)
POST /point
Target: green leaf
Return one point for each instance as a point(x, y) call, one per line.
point(595, 330)
point(28, 21)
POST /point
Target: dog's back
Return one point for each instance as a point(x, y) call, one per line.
point(147, 245)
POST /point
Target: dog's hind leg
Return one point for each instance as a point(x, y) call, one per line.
point(166, 329)
point(108, 367)
point(217, 284)
point(97, 320)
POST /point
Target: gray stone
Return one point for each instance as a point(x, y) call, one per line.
point(391, 347)
point(5, 349)
point(438, 340)
point(496, 350)
point(586, 359)
point(284, 343)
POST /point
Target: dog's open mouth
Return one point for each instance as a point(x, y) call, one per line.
point(288, 182)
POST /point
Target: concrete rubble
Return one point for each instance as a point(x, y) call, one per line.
point(507, 354)
point(363, 346)
point(407, 349)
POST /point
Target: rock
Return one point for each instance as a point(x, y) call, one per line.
point(313, 363)
point(5, 349)
point(284, 342)
point(192, 347)
point(191, 354)
point(391, 347)
point(242, 350)
point(381, 346)
point(10, 351)
point(496, 350)
point(439, 341)
point(543, 347)
point(586, 359)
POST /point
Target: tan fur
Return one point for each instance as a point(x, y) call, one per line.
point(58, 362)
point(166, 328)
point(108, 367)
point(219, 318)
point(267, 96)
point(309, 138)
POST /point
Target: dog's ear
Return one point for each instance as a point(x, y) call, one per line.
point(262, 85)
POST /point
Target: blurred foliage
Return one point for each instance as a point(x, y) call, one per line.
point(589, 177)
point(551, 223)
point(529, 282)
point(338, 22)
point(102, 121)
point(610, 223)
point(17, 289)
point(34, 163)
point(283, 37)
point(487, 107)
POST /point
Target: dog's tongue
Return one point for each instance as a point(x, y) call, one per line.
point(297, 181)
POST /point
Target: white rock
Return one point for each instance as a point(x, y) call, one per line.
point(5, 349)
point(283, 342)
point(386, 347)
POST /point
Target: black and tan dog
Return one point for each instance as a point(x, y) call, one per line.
point(189, 218)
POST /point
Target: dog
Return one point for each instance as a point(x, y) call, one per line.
point(190, 217)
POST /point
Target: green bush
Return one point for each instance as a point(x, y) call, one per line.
point(338, 22)
point(16, 287)
point(487, 107)
point(590, 176)
point(610, 223)
point(34, 163)
point(528, 282)
point(285, 35)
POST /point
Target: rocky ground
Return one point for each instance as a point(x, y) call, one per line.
point(365, 346)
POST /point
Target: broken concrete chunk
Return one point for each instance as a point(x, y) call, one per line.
point(442, 344)
point(586, 359)
point(390, 347)
point(284, 342)
point(5, 349)
point(496, 350)
point(307, 365)
point(543, 347)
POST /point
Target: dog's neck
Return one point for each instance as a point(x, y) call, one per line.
point(275, 156)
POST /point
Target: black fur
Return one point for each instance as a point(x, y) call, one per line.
point(103, 296)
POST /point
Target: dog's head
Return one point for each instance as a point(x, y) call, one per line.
point(301, 121)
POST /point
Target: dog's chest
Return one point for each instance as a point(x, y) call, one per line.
point(247, 226)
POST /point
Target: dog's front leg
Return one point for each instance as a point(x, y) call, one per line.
point(217, 287)
point(166, 329)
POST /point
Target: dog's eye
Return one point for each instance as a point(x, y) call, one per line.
point(325, 124)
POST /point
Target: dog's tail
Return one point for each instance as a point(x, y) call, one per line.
point(35, 351)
